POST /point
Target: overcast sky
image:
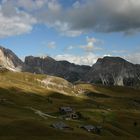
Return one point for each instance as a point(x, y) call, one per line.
point(79, 31)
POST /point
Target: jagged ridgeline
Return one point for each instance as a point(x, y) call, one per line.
point(106, 71)
point(114, 71)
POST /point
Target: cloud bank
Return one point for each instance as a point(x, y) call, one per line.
point(80, 17)
point(87, 59)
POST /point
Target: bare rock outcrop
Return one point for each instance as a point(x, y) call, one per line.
point(9, 60)
point(114, 71)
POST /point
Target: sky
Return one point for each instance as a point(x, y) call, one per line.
point(79, 31)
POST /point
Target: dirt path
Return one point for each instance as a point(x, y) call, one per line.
point(40, 113)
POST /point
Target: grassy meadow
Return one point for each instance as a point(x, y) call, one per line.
point(116, 109)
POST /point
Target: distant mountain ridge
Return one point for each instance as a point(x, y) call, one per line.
point(114, 71)
point(106, 71)
point(48, 65)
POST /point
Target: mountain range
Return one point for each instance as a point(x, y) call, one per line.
point(107, 71)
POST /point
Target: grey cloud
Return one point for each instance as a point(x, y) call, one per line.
point(15, 25)
point(82, 17)
point(93, 16)
point(14, 21)
point(105, 16)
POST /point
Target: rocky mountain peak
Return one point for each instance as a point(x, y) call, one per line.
point(114, 71)
point(50, 66)
point(111, 60)
point(9, 60)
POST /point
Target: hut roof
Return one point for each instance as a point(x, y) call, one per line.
point(60, 125)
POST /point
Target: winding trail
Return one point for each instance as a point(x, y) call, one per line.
point(40, 113)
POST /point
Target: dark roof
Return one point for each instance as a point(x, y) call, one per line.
point(89, 127)
point(66, 109)
point(92, 128)
point(60, 125)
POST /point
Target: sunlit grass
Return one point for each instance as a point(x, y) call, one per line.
point(114, 108)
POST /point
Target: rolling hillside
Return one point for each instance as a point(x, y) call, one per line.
point(29, 105)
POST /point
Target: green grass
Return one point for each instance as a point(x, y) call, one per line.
point(114, 108)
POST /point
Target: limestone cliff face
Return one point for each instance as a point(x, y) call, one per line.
point(114, 71)
point(48, 65)
point(9, 60)
point(106, 71)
